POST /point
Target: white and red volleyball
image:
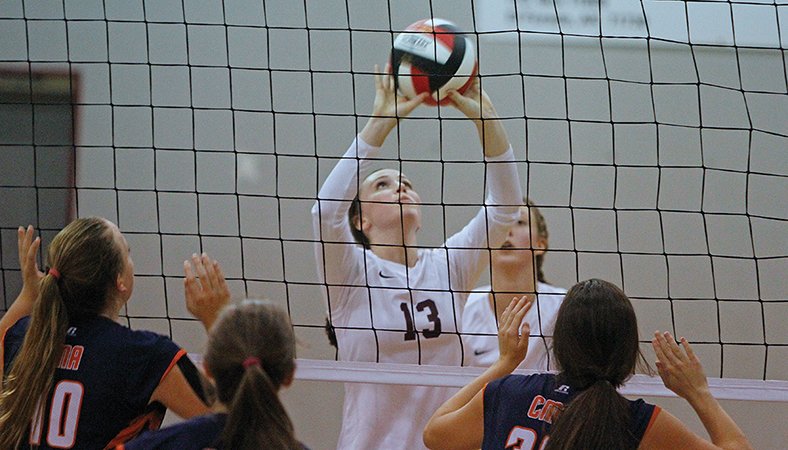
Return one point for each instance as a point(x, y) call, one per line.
point(433, 56)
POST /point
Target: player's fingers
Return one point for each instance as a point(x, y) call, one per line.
point(199, 269)
point(210, 273)
point(220, 277)
point(674, 349)
point(189, 282)
point(658, 344)
point(376, 75)
point(32, 251)
point(506, 317)
point(23, 237)
point(688, 348)
point(525, 332)
point(520, 309)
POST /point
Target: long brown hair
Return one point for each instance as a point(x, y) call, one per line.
point(251, 353)
point(596, 346)
point(88, 260)
point(541, 227)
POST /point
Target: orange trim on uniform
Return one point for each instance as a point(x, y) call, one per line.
point(148, 421)
point(653, 418)
point(174, 361)
point(120, 447)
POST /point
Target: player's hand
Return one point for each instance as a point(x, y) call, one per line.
point(28, 260)
point(388, 102)
point(205, 288)
point(681, 371)
point(388, 107)
point(474, 102)
point(513, 333)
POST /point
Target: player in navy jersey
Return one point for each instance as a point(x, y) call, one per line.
point(250, 355)
point(72, 376)
point(597, 350)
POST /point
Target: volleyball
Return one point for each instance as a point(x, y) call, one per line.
point(433, 56)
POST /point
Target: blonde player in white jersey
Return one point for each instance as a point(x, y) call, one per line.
point(389, 300)
point(516, 271)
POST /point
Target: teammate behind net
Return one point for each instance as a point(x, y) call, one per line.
point(516, 270)
point(390, 301)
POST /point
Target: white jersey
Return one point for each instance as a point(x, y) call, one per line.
point(479, 317)
point(387, 312)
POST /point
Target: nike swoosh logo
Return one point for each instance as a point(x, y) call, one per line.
point(481, 352)
point(384, 276)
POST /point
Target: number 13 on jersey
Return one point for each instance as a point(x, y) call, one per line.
point(428, 307)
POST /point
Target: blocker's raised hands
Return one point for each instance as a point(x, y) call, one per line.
point(205, 288)
point(680, 370)
point(513, 333)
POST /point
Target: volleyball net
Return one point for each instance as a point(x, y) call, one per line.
point(651, 134)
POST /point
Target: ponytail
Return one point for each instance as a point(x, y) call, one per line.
point(595, 343)
point(257, 419)
point(87, 259)
point(608, 427)
point(250, 355)
point(32, 372)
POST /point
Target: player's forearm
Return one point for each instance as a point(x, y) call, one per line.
point(22, 306)
point(466, 394)
point(722, 430)
point(377, 129)
point(504, 196)
point(492, 133)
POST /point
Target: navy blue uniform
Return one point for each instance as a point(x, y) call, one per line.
point(199, 433)
point(103, 384)
point(518, 411)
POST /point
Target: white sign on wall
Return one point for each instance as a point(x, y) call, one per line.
point(751, 23)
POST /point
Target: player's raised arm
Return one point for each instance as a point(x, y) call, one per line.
point(477, 106)
point(682, 373)
point(459, 422)
point(28, 248)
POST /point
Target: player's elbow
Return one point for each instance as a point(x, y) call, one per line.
point(436, 439)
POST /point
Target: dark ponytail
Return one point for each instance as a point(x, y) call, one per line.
point(596, 345)
point(597, 418)
point(250, 355)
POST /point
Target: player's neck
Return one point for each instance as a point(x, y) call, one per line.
point(407, 256)
point(510, 281)
point(396, 246)
point(112, 310)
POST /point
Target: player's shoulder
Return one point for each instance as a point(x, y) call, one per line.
point(18, 329)
point(138, 341)
point(522, 383)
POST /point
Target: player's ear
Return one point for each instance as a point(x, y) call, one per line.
point(540, 246)
point(289, 378)
point(120, 284)
point(364, 224)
